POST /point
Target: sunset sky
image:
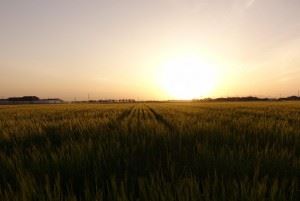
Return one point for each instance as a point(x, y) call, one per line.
point(149, 49)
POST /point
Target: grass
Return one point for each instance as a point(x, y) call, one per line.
point(153, 151)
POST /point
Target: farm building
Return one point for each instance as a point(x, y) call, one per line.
point(29, 100)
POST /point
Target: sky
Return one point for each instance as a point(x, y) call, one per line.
point(120, 48)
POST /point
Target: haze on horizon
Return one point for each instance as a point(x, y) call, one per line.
point(139, 48)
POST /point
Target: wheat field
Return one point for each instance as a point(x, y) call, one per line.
point(150, 152)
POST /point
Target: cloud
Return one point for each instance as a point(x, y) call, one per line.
point(250, 3)
point(241, 6)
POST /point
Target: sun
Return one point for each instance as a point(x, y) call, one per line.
point(187, 78)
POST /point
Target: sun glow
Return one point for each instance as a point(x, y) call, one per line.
point(188, 78)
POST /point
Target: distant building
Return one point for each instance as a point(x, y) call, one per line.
point(29, 100)
point(290, 98)
point(51, 101)
point(110, 101)
point(24, 98)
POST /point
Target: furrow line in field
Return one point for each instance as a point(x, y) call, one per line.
point(139, 116)
point(148, 116)
point(151, 115)
point(125, 114)
point(114, 123)
point(159, 118)
point(131, 116)
point(144, 113)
